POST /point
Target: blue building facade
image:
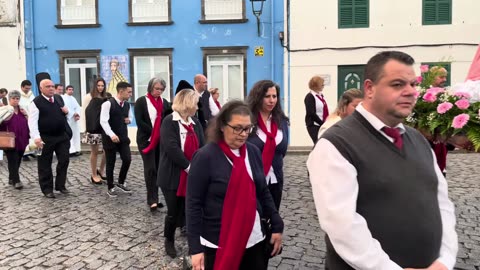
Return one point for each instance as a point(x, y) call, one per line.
point(76, 41)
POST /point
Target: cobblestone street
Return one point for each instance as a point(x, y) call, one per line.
point(87, 229)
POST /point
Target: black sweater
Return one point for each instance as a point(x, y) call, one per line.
point(144, 123)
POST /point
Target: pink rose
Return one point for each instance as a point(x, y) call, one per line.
point(462, 94)
point(462, 104)
point(435, 90)
point(419, 79)
point(460, 120)
point(444, 107)
point(423, 68)
point(429, 97)
point(416, 94)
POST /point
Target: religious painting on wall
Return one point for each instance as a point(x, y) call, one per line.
point(114, 69)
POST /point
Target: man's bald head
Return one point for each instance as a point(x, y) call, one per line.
point(200, 83)
point(47, 87)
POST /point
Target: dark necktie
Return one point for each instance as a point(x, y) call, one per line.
point(50, 99)
point(394, 133)
point(121, 104)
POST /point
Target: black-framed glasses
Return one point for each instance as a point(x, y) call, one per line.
point(239, 129)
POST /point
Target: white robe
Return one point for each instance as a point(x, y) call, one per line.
point(25, 100)
point(73, 108)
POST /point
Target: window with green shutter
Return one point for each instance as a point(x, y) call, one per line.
point(353, 13)
point(437, 12)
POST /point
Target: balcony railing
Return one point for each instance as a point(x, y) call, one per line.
point(84, 14)
point(223, 9)
point(150, 12)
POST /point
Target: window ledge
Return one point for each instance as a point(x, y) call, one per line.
point(68, 26)
point(223, 21)
point(149, 23)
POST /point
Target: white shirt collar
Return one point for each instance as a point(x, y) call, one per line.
point(176, 117)
point(374, 121)
point(315, 93)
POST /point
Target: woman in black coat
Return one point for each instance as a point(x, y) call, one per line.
point(181, 135)
point(316, 108)
point(149, 112)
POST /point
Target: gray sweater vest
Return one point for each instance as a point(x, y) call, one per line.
point(397, 192)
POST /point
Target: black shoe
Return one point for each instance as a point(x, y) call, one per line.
point(49, 195)
point(95, 182)
point(63, 190)
point(10, 182)
point(78, 154)
point(160, 205)
point(18, 185)
point(170, 248)
point(101, 176)
point(26, 158)
point(124, 188)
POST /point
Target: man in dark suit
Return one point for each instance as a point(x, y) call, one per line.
point(208, 106)
point(51, 133)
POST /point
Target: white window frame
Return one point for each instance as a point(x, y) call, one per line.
point(225, 95)
point(150, 12)
point(166, 93)
point(84, 14)
point(83, 74)
point(223, 9)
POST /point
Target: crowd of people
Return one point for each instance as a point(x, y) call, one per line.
point(380, 196)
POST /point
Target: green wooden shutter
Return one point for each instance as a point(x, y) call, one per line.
point(353, 13)
point(444, 11)
point(437, 12)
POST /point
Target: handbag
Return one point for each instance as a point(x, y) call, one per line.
point(7, 140)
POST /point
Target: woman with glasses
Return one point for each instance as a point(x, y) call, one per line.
point(316, 107)
point(270, 134)
point(227, 197)
point(18, 124)
point(181, 135)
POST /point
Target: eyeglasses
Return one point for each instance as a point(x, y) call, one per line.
point(238, 130)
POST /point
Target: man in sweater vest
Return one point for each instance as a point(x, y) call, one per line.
point(50, 132)
point(380, 196)
point(114, 118)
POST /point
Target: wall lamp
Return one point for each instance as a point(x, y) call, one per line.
point(257, 9)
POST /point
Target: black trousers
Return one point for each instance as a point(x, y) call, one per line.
point(14, 158)
point(60, 145)
point(111, 157)
point(150, 164)
point(276, 191)
point(175, 212)
point(313, 132)
point(253, 258)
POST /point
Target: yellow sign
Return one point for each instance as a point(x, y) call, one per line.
point(259, 51)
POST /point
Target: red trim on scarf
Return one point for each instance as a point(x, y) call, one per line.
point(325, 107)
point(191, 145)
point(238, 214)
point(270, 144)
point(155, 135)
point(218, 104)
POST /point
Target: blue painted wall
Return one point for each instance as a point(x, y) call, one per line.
point(186, 35)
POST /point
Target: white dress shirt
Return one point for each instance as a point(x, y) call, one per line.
point(271, 178)
point(335, 191)
point(318, 106)
point(256, 236)
point(33, 114)
point(105, 116)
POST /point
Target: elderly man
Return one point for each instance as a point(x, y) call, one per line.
point(207, 103)
point(51, 133)
point(380, 196)
point(73, 116)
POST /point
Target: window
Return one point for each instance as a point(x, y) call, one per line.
point(437, 12)
point(350, 77)
point(77, 13)
point(80, 69)
point(353, 13)
point(226, 70)
point(149, 12)
point(223, 11)
point(149, 63)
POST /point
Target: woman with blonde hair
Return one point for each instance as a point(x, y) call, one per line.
point(316, 107)
point(215, 95)
point(181, 135)
point(346, 106)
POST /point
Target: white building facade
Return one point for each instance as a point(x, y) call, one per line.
point(335, 39)
point(12, 49)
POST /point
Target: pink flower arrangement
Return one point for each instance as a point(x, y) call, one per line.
point(419, 79)
point(460, 120)
point(462, 95)
point(429, 97)
point(424, 68)
point(435, 90)
point(463, 104)
point(444, 107)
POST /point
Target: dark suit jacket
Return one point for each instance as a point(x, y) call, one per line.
point(144, 124)
point(311, 111)
point(280, 150)
point(204, 112)
point(172, 158)
point(207, 186)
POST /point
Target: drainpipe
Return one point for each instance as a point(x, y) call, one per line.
point(32, 45)
point(288, 57)
point(272, 43)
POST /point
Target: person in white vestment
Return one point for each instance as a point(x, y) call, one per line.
point(73, 116)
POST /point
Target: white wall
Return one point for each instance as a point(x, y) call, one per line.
point(314, 24)
point(12, 50)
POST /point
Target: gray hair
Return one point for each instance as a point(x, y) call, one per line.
point(14, 94)
point(154, 81)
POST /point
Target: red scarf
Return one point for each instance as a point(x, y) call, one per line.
point(238, 214)
point(191, 145)
point(270, 144)
point(218, 104)
point(155, 136)
point(325, 106)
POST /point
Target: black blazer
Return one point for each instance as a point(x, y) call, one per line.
point(172, 159)
point(204, 112)
point(144, 124)
point(280, 150)
point(311, 111)
point(207, 185)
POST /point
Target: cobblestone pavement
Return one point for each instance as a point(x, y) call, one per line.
point(87, 229)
